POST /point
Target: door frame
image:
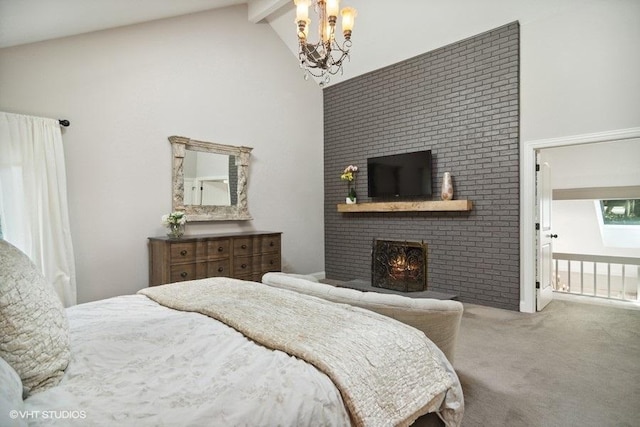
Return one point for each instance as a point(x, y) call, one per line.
point(528, 245)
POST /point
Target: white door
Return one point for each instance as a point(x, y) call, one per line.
point(189, 191)
point(215, 193)
point(544, 271)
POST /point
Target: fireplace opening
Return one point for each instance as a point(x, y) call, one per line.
point(399, 265)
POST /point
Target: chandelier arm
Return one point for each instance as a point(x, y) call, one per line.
point(327, 65)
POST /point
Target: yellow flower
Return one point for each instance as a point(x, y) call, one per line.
point(348, 173)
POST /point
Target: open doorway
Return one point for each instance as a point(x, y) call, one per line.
point(530, 209)
point(596, 223)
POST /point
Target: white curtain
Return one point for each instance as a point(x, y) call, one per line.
point(34, 214)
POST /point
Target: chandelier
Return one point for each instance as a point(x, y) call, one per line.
point(324, 58)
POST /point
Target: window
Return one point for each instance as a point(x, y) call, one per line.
point(619, 222)
point(620, 212)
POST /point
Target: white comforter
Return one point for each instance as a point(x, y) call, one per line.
point(137, 363)
point(184, 370)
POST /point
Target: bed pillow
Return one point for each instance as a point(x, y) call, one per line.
point(34, 331)
point(11, 403)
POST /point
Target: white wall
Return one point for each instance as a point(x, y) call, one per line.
point(211, 76)
point(580, 69)
point(580, 61)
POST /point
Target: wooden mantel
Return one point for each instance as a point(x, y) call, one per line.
point(417, 206)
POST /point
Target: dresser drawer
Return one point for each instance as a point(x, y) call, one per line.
point(218, 268)
point(270, 262)
point(245, 265)
point(182, 272)
point(270, 244)
point(183, 252)
point(242, 246)
point(217, 249)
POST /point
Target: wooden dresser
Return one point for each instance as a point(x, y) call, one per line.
point(244, 255)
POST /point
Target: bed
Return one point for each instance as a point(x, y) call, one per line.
point(167, 356)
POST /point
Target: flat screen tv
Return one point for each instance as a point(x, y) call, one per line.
point(405, 175)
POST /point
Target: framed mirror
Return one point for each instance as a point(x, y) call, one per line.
point(210, 180)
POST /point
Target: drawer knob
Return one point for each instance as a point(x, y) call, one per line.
point(271, 262)
point(183, 252)
point(220, 269)
point(183, 274)
point(220, 249)
point(244, 246)
point(271, 244)
point(244, 266)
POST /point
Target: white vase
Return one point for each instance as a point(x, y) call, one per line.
point(350, 201)
point(447, 187)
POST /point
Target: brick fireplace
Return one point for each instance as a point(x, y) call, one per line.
point(461, 102)
point(399, 265)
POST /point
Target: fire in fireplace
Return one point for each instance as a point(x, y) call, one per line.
point(399, 265)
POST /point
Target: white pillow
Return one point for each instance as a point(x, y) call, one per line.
point(11, 403)
point(34, 331)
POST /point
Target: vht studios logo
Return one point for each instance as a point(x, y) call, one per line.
point(48, 415)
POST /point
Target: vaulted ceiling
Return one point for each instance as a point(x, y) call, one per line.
point(385, 32)
point(28, 21)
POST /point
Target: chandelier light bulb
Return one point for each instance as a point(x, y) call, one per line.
point(348, 19)
point(333, 6)
point(302, 10)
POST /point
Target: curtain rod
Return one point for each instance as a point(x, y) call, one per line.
point(64, 122)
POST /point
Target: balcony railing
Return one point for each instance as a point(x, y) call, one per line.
point(598, 276)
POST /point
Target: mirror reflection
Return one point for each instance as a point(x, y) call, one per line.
point(209, 179)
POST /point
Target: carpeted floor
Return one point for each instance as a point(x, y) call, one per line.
point(572, 364)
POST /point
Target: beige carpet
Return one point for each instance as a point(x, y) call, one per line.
point(572, 364)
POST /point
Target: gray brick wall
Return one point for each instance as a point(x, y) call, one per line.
point(461, 102)
point(233, 180)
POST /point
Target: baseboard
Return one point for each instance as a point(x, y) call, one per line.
point(586, 299)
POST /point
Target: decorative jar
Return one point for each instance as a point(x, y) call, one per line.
point(175, 230)
point(447, 187)
point(174, 222)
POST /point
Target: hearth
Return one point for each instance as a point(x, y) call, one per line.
point(399, 265)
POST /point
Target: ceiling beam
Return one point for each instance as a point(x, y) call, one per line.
point(595, 193)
